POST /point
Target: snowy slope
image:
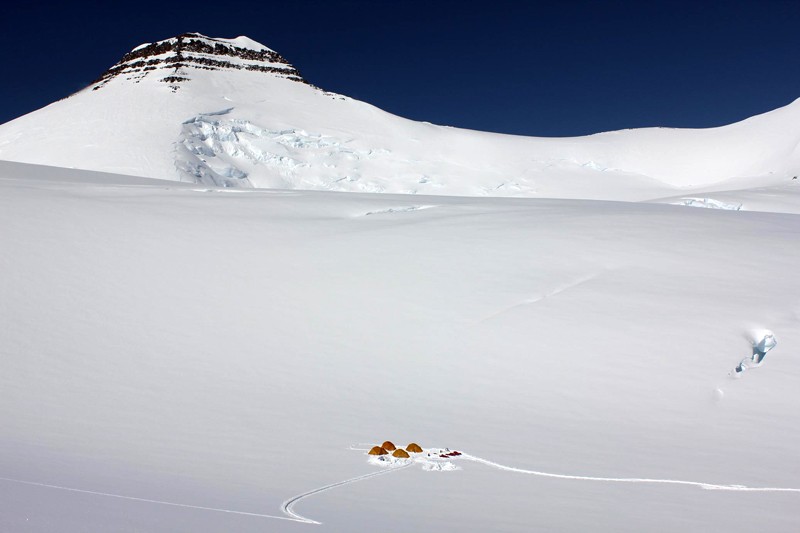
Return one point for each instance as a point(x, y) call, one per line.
point(183, 352)
point(231, 112)
point(185, 358)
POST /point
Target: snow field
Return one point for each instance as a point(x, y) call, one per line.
point(192, 331)
point(221, 350)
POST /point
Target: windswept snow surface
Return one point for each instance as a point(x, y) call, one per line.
point(184, 358)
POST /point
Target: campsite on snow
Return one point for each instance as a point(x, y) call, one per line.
point(224, 289)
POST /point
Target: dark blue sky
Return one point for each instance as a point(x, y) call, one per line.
point(553, 68)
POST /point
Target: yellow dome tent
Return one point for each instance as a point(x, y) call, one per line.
point(388, 446)
point(400, 452)
point(414, 448)
point(377, 450)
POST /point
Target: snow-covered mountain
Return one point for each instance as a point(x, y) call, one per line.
point(234, 113)
point(187, 357)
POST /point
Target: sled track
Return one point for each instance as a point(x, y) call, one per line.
point(706, 486)
point(286, 507)
point(292, 516)
point(146, 500)
point(288, 504)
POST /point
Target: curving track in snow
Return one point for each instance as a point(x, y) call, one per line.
point(144, 500)
point(706, 486)
point(288, 504)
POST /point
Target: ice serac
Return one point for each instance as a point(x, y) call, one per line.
point(235, 113)
point(173, 61)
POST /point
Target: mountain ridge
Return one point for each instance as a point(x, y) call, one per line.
point(235, 113)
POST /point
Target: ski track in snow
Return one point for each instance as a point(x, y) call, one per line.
point(148, 500)
point(706, 486)
point(288, 504)
point(292, 516)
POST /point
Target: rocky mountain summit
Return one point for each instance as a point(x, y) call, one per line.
point(174, 60)
point(232, 113)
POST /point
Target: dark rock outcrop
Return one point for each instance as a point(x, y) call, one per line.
point(176, 57)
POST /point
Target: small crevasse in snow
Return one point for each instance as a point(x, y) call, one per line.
point(709, 203)
point(402, 209)
point(764, 342)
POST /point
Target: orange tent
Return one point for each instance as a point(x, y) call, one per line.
point(400, 452)
point(414, 447)
point(377, 450)
point(388, 446)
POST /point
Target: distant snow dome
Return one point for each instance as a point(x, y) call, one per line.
point(243, 41)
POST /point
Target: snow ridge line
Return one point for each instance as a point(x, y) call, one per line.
point(288, 504)
point(706, 486)
point(147, 500)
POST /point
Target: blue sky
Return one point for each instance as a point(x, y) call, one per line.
point(555, 68)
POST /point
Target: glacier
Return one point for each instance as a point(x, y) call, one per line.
point(221, 285)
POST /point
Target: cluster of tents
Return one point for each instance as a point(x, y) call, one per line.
point(387, 447)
